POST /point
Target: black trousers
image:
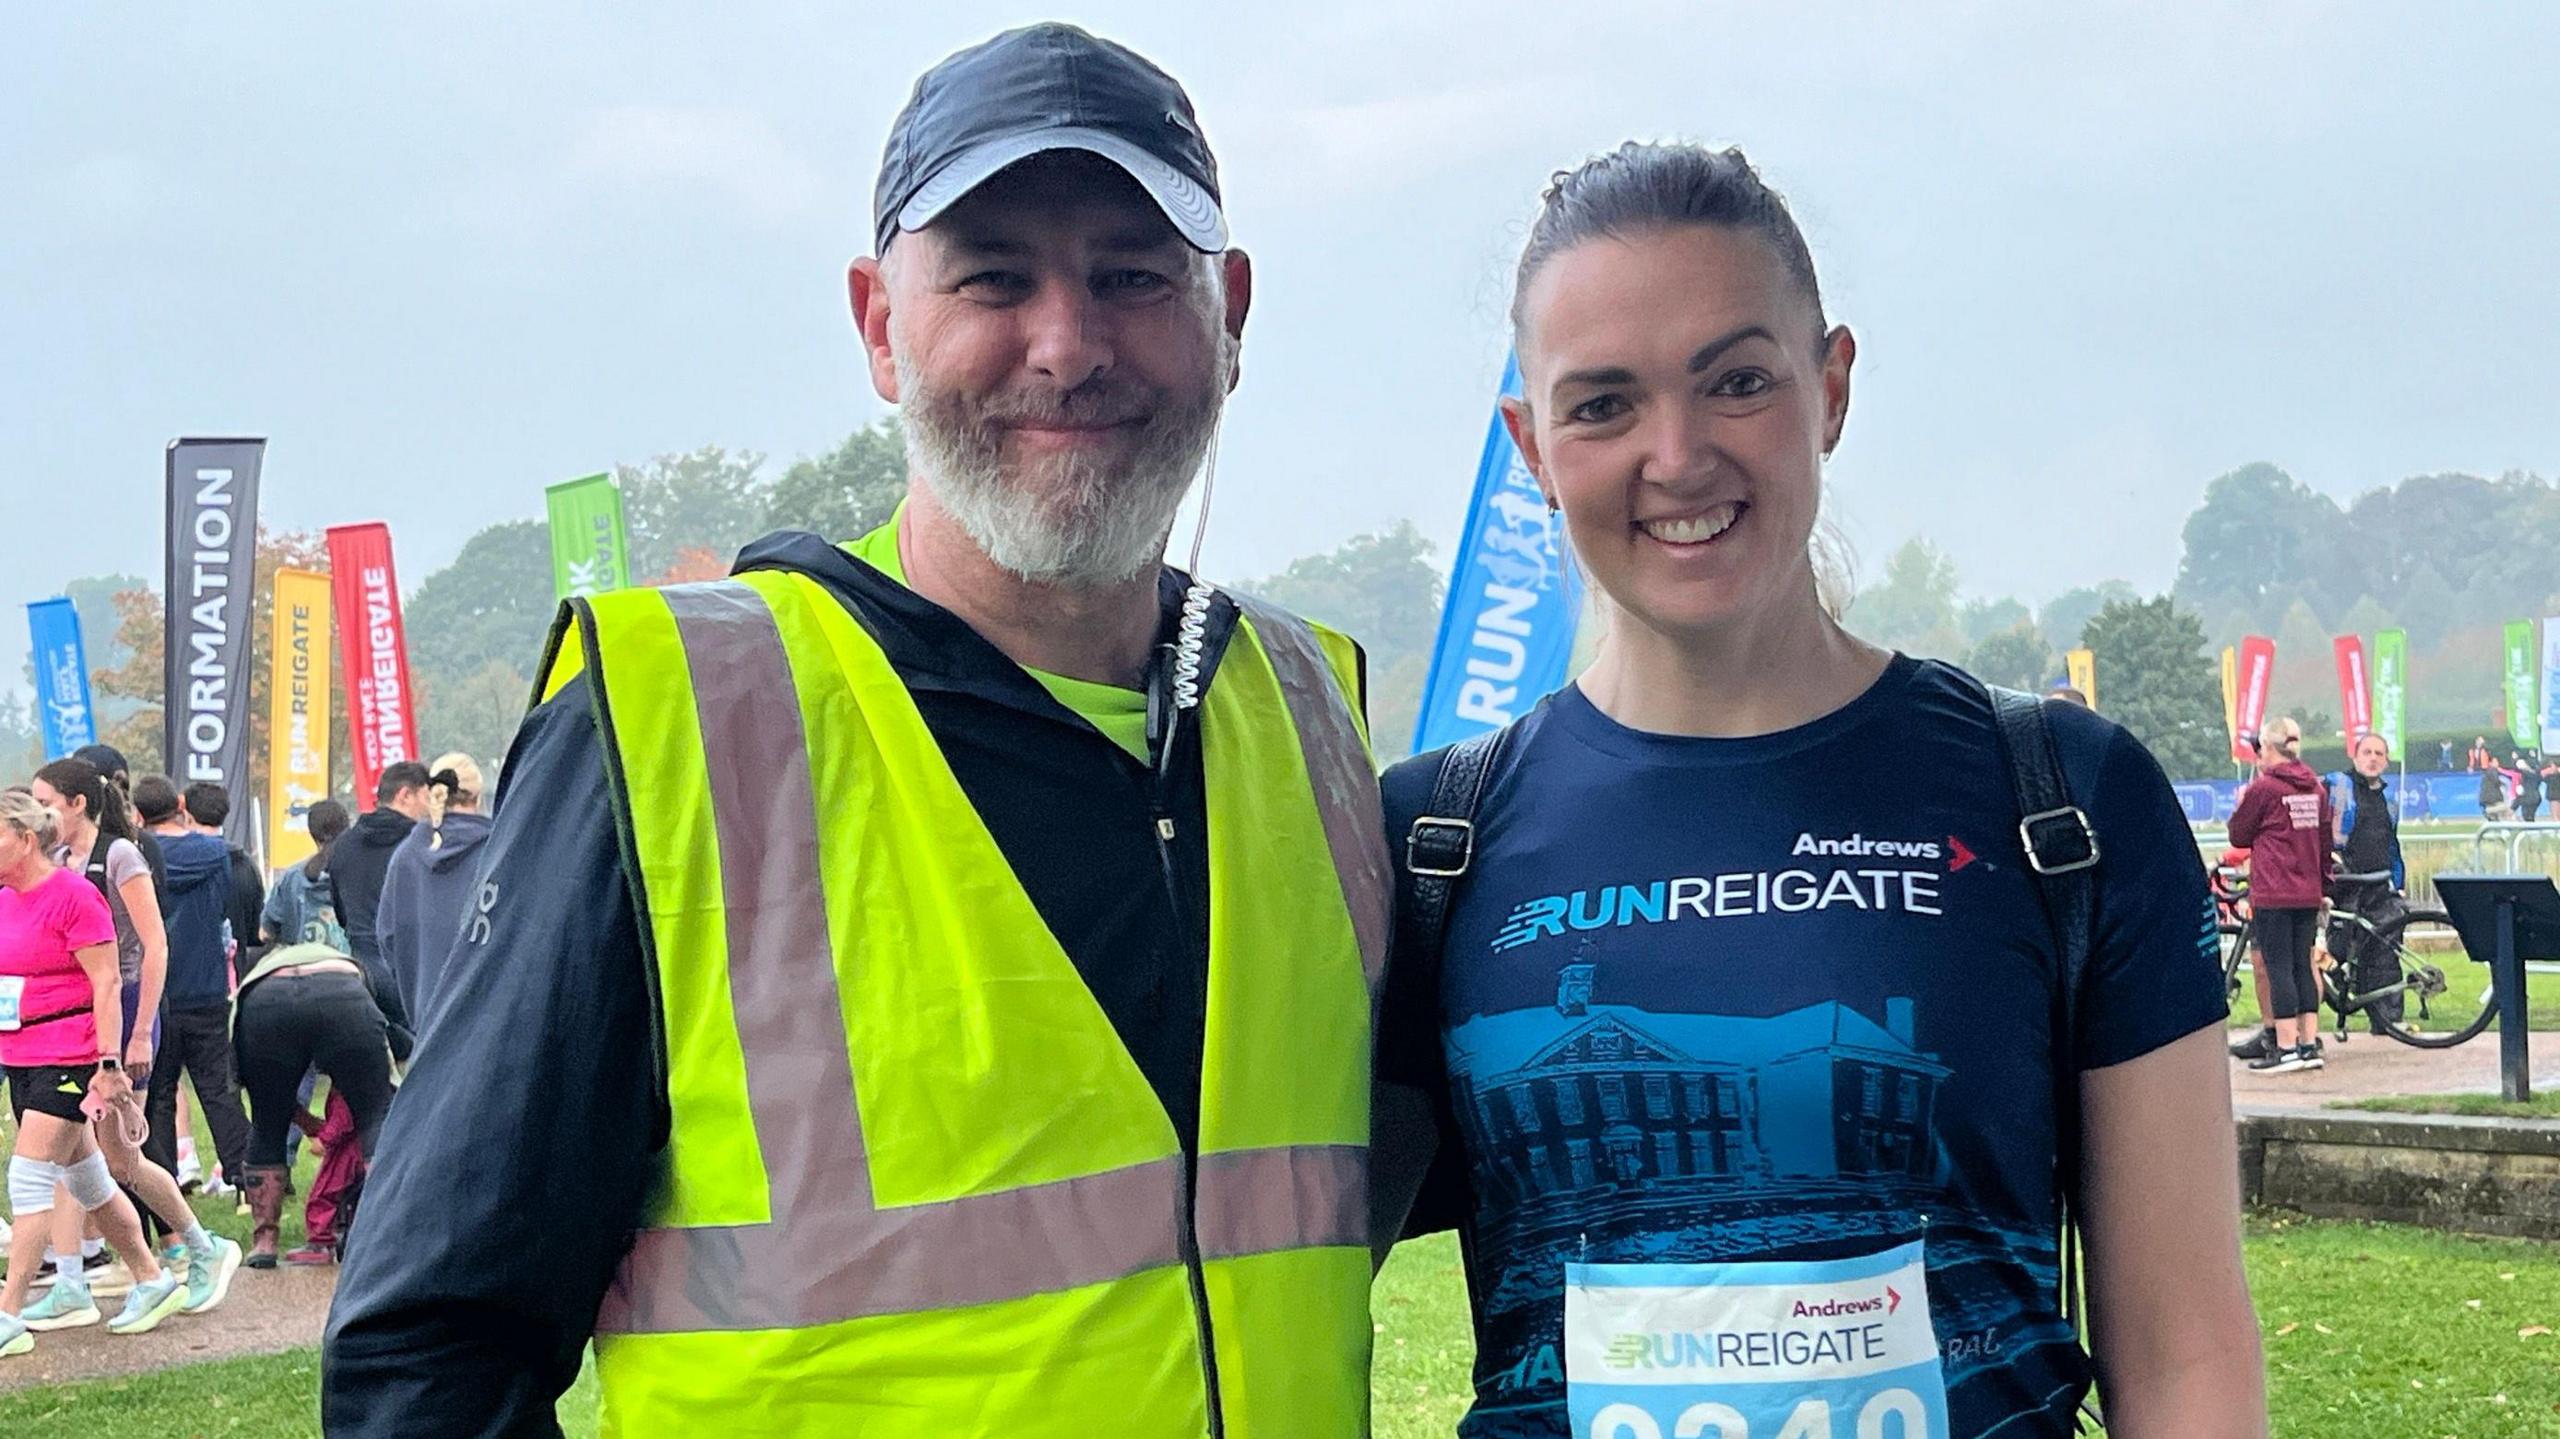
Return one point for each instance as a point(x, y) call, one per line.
point(2284, 940)
point(197, 1042)
point(289, 1023)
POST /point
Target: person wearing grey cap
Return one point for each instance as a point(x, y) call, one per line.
point(921, 985)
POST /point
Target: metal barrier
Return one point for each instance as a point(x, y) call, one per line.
point(2512, 840)
point(2515, 834)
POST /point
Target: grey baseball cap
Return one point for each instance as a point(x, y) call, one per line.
point(1041, 88)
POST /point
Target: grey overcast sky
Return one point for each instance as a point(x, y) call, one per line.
point(448, 252)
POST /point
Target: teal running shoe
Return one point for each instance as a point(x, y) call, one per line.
point(67, 1305)
point(14, 1337)
point(209, 1274)
point(150, 1303)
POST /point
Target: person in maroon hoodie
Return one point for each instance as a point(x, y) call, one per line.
point(2284, 822)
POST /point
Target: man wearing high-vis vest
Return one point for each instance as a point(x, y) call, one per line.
point(921, 988)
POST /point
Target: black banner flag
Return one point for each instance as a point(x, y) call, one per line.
point(212, 579)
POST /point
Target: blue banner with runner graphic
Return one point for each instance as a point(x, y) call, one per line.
point(62, 677)
point(1506, 634)
point(1754, 1350)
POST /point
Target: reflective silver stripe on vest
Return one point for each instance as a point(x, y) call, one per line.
point(1254, 1201)
point(828, 1254)
point(1346, 783)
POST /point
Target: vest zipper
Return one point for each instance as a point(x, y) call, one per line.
point(1189, 1230)
point(1191, 1263)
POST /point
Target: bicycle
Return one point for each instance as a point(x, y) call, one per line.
point(2410, 936)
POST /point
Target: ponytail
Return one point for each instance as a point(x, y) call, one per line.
point(454, 784)
point(440, 788)
point(117, 818)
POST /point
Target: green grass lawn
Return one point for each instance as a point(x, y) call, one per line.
point(2544, 1105)
point(2370, 1330)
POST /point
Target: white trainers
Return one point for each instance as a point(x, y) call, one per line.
point(209, 1276)
point(150, 1303)
point(67, 1305)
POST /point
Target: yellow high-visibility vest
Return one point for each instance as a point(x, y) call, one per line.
point(915, 1186)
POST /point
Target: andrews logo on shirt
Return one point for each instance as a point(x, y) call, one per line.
point(1859, 846)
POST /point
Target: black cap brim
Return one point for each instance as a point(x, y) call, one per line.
point(1194, 215)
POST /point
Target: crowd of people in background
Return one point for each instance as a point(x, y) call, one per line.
point(2518, 789)
point(142, 954)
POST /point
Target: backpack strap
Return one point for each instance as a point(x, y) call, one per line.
point(1441, 845)
point(95, 868)
point(1439, 849)
point(2062, 852)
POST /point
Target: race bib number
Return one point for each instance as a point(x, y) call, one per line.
point(13, 993)
point(1841, 1349)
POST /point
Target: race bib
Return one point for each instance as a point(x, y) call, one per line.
point(13, 992)
point(1841, 1349)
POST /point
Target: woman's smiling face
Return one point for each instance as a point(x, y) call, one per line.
point(1680, 397)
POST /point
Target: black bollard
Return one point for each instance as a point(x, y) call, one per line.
point(2506, 971)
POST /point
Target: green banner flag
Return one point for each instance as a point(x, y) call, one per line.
point(2524, 722)
point(2390, 685)
point(587, 550)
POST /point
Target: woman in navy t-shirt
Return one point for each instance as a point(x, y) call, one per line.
point(1744, 1045)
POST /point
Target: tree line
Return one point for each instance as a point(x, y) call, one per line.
point(2447, 557)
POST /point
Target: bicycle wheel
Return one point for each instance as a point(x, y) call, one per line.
point(2425, 980)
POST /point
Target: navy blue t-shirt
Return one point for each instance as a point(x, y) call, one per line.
point(1786, 998)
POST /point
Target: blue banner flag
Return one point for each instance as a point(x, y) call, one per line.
point(1506, 634)
point(62, 677)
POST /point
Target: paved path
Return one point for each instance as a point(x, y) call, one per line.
point(2370, 1065)
point(265, 1313)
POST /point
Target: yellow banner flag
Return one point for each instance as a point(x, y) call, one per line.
point(2084, 674)
point(297, 713)
point(2231, 696)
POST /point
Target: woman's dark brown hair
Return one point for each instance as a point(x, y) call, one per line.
point(1641, 186)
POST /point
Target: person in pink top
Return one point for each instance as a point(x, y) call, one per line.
point(61, 1042)
point(2284, 821)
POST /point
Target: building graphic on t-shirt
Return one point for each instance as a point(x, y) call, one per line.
point(1587, 1096)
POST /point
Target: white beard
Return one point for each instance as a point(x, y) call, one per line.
point(1080, 521)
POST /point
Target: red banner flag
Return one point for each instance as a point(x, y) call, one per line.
point(2355, 687)
point(2249, 707)
point(367, 595)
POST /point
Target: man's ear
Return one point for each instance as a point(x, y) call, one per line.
point(1236, 267)
point(868, 286)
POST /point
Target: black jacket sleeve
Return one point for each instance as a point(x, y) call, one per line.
point(514, 1163)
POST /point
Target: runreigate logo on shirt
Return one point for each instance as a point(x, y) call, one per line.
point(1896, 889)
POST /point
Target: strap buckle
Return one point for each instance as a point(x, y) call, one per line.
point(1440, 848)
point(2069, 825)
